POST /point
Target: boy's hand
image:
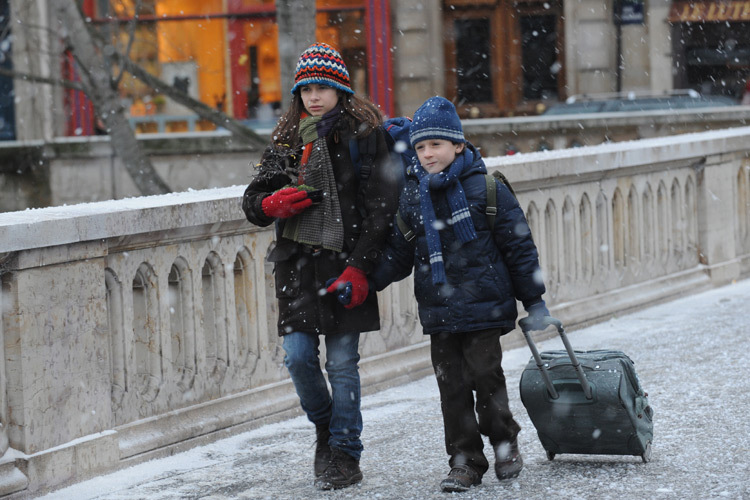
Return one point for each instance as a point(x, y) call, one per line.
point(538, 318)
point(285, 202)
point(538, 324)
point(352, 287)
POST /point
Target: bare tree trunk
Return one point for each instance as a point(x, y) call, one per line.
point(296, 20)
point(97, 77)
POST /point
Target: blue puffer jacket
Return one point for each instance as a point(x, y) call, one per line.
point(484, 276)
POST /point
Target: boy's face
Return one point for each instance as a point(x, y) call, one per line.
point(318, 99)
point(435, 155)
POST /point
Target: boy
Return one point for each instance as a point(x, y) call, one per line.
point(467, 277)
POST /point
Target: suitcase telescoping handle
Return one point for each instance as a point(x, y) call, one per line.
point(525, 325)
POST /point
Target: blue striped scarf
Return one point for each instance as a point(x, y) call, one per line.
point(463, 227)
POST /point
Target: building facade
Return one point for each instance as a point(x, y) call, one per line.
point(711, 44)
point(491, 57)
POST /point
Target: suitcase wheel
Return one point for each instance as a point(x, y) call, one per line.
point(646, 457)
point(551, 455)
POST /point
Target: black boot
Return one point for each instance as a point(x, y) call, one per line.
point(460, 478)
point(508, 460)
point(342, 471)
point(322, 450)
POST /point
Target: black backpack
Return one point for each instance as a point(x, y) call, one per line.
point(363, 152)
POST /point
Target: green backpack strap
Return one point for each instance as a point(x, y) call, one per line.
point(491, 210)
point(499, 175)
point(492, 194)
point(404, 228)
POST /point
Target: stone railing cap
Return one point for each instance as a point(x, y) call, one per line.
point(43, 227)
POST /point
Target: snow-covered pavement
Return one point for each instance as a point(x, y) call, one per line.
point(690, 357)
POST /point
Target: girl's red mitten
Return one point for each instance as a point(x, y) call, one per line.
point(359, 287)
point(285, 202)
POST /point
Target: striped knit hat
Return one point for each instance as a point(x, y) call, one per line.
point(436, 119)
point(322, 64)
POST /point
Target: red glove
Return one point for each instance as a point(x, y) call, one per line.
point(357, 279)
point(285, 203)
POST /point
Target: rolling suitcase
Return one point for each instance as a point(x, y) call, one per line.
point(586, 402)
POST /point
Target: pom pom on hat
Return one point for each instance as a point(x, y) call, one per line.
point(436, 119)
point(322, 64)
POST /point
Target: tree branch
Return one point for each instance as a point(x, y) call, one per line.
point(202, 110)
point(94, 69)
point(60, 82)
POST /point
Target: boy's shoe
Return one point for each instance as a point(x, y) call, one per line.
point(342, 471)
point(508, 460)
point(322, 450)
point(460, 478)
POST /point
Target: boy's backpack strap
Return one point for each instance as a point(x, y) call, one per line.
point(498, 174)
point(491, 210)
point(404, 228)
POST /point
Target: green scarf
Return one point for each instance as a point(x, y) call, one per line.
point(320, 225)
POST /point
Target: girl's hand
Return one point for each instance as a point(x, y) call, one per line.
point(352, 287)
point(285, 203)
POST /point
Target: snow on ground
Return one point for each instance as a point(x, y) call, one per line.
point(689, 357)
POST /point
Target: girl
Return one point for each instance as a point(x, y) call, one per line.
point(331, 226)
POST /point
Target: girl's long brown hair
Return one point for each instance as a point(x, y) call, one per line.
point(361, 115)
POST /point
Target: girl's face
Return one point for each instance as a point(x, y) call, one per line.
point(435, 155)
point(318, 99)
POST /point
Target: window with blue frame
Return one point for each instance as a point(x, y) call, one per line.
point(7, 107)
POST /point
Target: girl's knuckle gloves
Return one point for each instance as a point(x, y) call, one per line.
point(285, 203)
point(352, 287)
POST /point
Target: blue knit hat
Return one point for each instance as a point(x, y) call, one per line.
point(322, 64)
point(436, 119)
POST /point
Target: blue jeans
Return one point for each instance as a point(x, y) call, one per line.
point(341, 407)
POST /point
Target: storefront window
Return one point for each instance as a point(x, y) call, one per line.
point(539, 53)
point(346, 30)
point(502, 57)
point(473, 66)
point(258, 71)
point(221, 52)
point(715, 58)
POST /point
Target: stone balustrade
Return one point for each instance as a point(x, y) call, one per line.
point(500, 136)
point(646, 216)
point(140, 327)
point(72, 170)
